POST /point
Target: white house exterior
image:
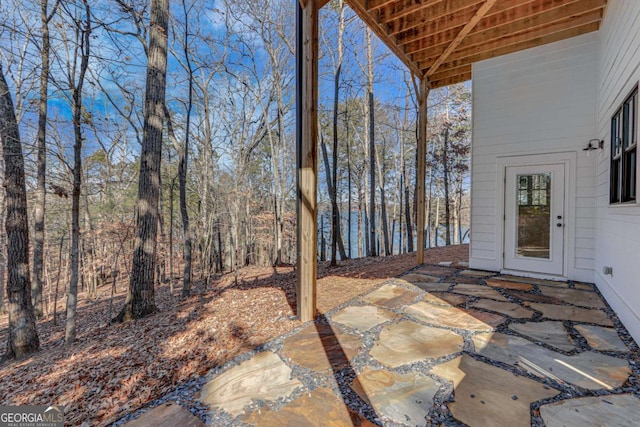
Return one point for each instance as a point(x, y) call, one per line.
point(534, 113)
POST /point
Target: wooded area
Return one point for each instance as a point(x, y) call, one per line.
point(159, 145)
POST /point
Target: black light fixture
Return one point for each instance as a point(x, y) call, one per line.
point(594, 144)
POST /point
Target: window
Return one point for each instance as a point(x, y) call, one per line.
point(624, 151)
point(534, 190)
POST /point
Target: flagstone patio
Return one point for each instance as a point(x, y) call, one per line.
point(441, 345)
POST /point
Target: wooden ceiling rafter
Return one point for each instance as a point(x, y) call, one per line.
point(455, 20)
point(526, 44)
point(482, 11)
point(391, 14)
point(439, 39)
point(521, 14)
point(360, 7)
point(518, 39)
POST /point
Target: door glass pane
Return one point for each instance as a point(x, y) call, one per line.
point(534, 215)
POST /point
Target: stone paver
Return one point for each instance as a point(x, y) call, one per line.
point(505, 284)
point(583, 286)
point(464, 279)
point(390, 296)
point(316, 409)
point(587, 370)
point(433, 270)
point(525, 296)
point(550, 332)
point(362, 318)
point(574, 296)
point(446, 298)
point(321, 347)
point(477, 273)
point(404, 398)
point(508, 308)
point(429, 287)
point(264, 377)
point(304, 382)
point(408, 342)
point(414, 278)
point(534, 281)
point(167, 415)
point(620, 410)
point(479, 291)
point(603, 339)
point(489, 396)
point(577, 314)
point(473, 320)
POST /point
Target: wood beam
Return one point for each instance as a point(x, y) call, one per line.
point(482, 11)
point(552, 22)
point(437, 11)
point(455, 20)
point(307, 160)
point(421, 173)
point(391, 15)
point(449, 74)
point(503, 25)
point(360, 8)
point(379, 4)
point(459, 78)
point(499, 48)
point(532, 38)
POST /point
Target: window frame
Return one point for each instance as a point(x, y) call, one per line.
point(623, 156)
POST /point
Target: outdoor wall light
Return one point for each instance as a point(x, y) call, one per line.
point(594, 144)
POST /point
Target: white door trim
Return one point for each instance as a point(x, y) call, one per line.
point(569, 159)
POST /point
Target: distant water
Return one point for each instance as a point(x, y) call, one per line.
point(397, 238)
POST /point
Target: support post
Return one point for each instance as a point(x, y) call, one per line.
point(423, 95)
point(307, 157)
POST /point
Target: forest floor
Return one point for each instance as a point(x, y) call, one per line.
point(113, 370)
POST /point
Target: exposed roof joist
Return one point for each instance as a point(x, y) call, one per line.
point(440, 39)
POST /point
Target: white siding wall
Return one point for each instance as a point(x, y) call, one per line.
point(538, 101)
point(617, 227)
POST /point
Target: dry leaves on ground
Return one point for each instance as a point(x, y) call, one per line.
point(112, 370)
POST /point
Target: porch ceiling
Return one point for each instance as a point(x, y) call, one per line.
point(440, 39)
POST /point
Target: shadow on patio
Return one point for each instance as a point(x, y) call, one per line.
point(441, 345)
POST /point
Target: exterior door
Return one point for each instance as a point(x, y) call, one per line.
point(534, 219)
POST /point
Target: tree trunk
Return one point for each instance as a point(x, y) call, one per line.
point(372, 147)
point(140, 300)
point(407, 191)
point(183, 163)
point(72, 296)
point(337, 236)
point(447, 203)
point(39, 214)
point(182, 189)
point(383, 206)
point(349, 208)
point(22, 337)
point(436, 220)
point(3, 245)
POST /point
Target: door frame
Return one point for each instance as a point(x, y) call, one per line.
point(569, 159)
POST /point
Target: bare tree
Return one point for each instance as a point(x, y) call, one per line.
point(23, 337)
point(39, 212)
point(81, 49)
point(140, 300)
